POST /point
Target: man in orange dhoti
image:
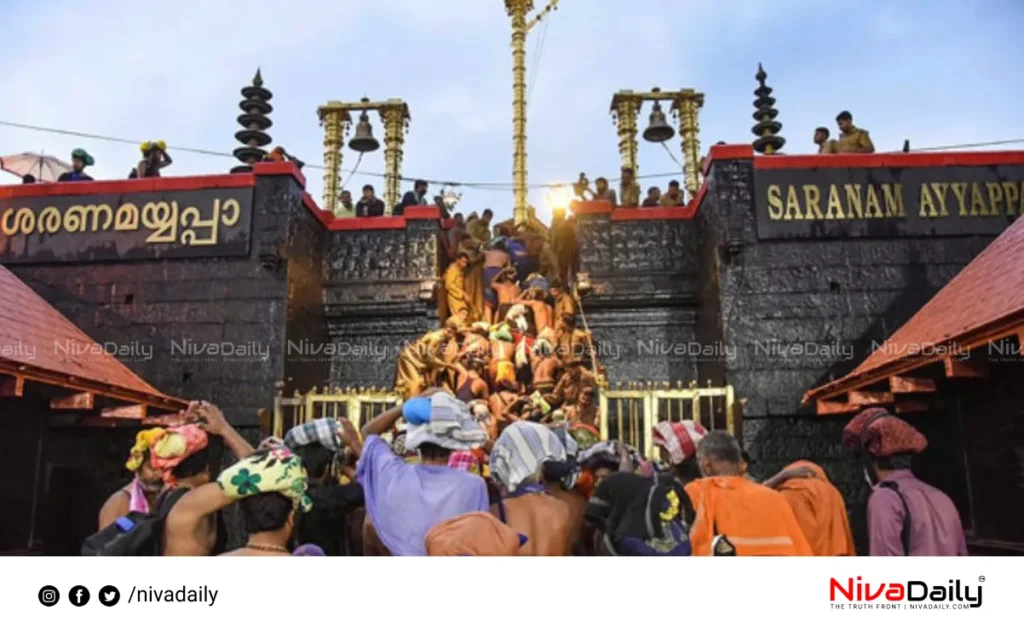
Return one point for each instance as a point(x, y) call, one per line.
point(818, 507)
point(736, 516)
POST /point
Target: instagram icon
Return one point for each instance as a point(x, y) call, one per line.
point(49, 596)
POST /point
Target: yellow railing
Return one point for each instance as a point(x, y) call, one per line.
point(358, 405)
point(629, 411)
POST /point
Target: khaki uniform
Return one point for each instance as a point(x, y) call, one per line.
point(829, 147)
point(855, 141)
point(631, 195)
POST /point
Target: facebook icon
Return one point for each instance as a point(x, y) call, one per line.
point(79, 596)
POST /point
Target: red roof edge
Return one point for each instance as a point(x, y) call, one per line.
point(75, 383)
point(993, 331)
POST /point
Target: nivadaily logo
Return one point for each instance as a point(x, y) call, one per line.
point(912, 594)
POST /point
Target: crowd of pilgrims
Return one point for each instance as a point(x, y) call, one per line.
point(495, 450)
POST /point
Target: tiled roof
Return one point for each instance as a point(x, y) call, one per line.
point(38, 342)
point(984, 302)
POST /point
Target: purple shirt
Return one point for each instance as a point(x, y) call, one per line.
point(405, 500)
point(935, 528)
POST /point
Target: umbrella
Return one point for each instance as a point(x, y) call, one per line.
point(44, 168)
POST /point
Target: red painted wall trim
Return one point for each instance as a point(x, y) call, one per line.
point(695, 203)
point(280, 169)
point(590, 207)
point(726, 152)
point(325, 217)
point(135, 185)
point(654, 213)
point(367, 224)
point(423, 212)
point(897, 159)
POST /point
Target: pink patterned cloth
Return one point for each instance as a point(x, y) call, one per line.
point(177, 445)
point(137, 497)
point(464, 460)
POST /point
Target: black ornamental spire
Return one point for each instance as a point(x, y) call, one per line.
point(767, 128)
point(255, 107)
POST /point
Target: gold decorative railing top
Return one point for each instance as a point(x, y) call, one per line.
point(357, 404)
point(629, 411)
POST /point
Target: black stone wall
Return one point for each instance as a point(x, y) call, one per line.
point(643, 306)
point(168, 315)
point(795, 314)
point(374, 279)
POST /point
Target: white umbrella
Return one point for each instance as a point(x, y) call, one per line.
point(44, 168)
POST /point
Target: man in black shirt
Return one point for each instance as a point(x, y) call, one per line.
point(369, 206)
point(415, 198)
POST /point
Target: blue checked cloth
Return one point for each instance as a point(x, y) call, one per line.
point(323, 431)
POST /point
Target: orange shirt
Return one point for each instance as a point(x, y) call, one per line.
point(755, 519)
point(820, 511)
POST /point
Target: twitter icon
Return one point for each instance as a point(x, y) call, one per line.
point(109, 596)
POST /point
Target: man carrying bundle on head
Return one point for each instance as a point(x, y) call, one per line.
point(906, 517)
point(335, 521)
point(517, 465)
point(404, 501)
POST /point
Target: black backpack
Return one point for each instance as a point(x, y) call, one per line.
point(136, 533)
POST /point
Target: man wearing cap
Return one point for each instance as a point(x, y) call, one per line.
point(906, 517)
point(80, 159)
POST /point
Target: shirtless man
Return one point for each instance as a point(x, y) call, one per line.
point(506, 393)
point(584, 411)
point(542, 313)
point(470, 385)
point(525, 505)
point(495, 260)
point(148, 480)
point(546, 367)
point(191, 527)
point(507, 291)
point(571, 384)
point(474, 340)
point(565, 305)
point(563, 337)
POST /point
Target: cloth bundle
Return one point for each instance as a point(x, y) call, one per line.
point(175, 446)
point(607, 454)
point(323, 431)
point(277, 470)
point(887, 435)
point(473, 534)
point(680, 439)
point(443, 420)
point(521, 451)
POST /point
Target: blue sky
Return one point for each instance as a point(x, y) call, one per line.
point(937, 72)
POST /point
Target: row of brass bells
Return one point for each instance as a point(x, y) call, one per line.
point(362, 140)
point(658, 130)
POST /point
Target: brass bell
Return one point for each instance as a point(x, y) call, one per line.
point(363, 140)
point(658, 130)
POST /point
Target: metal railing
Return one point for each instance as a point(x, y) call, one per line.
point(358, 405)
point(629, 411)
